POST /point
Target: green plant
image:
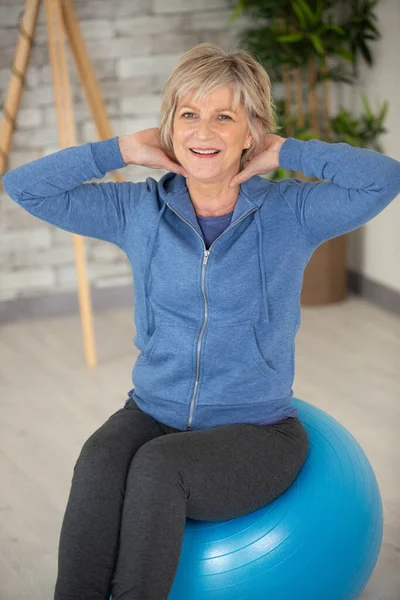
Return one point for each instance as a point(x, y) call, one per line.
point(362, 132)
point(311, 43)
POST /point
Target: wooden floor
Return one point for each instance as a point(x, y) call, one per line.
point(347, 363)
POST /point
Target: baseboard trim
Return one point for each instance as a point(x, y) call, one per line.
point(378, 294)
point(54, 305)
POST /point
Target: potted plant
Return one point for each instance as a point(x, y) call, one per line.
point(306, 46)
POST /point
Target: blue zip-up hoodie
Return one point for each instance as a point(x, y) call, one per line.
point(215, 328)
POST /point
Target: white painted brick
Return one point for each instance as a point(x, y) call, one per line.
point(46, 74)
point(215, 19)
point(56, 256)
point(40, 96)
point(17, 158)
point(224, 38)
point(28, 118)
point(16, 218)
point(93, 28)
point(66, 275)
point(100, 269)
point(26, 240)
point(138, 84)
point(113, 282)
point(109, 90)
point(81, 112)
point(50, 149)
point(103, 252)
point(85, 9)
point(41, 36)
point(138, 44)
point(151, 24)
point(131, 125)
point(60, 237)
point(9, 14)
point(4, 76)
point(88, 131)
point(35, 138)
point(49, 116)
point(24, 257)
point(8, 37)
point(104, 68)
point(171, 43)
point(39, 55)
point(176, 6)
point(32, 76)
point(28, 279)
point(7, 56)
point(146, 64)
point(141, 104)
point(132, 8)
point(9, 294)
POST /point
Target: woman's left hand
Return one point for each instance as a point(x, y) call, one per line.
point(266, 160)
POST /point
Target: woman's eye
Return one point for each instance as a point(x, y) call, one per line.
point(189, 113)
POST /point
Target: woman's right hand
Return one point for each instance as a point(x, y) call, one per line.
point(144, 148)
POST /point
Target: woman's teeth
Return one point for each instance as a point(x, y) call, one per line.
point(205, 151)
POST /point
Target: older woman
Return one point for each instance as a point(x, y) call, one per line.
point(217, 253)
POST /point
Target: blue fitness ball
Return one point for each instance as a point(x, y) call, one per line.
point(319, 540)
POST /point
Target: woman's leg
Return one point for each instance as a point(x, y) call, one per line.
point(213, 474)
point(90, 530)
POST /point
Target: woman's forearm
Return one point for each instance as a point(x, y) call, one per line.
point(125, 146)
point(360, 184)
point(53, 188)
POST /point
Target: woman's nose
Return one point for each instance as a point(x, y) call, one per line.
point(204, 130)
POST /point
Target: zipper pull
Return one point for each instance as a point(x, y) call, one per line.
point(206, 253)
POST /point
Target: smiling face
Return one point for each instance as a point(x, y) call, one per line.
point(210, 124)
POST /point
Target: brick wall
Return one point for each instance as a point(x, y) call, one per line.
point(134, 45)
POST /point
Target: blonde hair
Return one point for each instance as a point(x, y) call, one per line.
point(206, 67)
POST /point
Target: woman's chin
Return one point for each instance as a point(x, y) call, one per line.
point(204, 174)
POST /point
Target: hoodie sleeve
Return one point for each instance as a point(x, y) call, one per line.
point(361, 184)
point(52, 188)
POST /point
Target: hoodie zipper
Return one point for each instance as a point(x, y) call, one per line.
point(206, 254)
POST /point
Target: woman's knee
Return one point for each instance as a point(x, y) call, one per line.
point(100, 450)
point(161, 459)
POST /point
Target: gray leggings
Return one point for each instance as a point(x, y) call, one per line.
point(135, 482)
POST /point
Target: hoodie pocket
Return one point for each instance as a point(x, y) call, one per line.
point(148, 350)
point(166, 366)
point(258, 358)
point(233, 369)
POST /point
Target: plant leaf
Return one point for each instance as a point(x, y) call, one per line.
point(297, 9)
point(317, 43)
point(290, 37)
point(346, 54)
point(308, 12)
point(238, 10)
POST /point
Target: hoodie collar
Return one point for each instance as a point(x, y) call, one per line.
point(174, 192)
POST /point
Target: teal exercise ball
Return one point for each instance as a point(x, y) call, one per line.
point(319, 540)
